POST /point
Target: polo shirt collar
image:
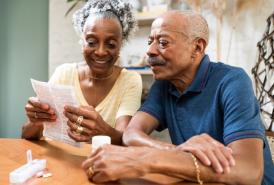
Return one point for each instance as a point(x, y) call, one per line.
point(199, 81)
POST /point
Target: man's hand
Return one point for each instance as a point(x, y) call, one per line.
point(110, 163)
point(210, 152)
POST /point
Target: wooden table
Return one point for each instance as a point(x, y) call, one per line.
point(63, 161)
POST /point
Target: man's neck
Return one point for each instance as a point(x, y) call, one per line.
point(182, 83)
point(185, 78)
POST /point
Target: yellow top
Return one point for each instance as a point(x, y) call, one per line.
point(123, 99)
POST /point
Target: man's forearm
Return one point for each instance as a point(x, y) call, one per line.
point(137, 138)
point(172, 163)
point(181, 165)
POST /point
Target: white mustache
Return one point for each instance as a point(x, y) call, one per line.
point(155, 61)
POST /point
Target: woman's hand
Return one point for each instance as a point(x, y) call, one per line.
point(38, 112)
point(210, 152)
point(84, 123)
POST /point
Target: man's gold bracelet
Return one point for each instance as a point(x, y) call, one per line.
point(197, 168)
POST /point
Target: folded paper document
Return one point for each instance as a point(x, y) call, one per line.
point(56, 96)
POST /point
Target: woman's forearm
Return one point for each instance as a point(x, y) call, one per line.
point(32, 130)
point(116, 137)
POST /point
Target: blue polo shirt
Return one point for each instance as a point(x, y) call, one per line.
point(220, 102)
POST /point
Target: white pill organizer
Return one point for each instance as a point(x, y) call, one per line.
point(28, 170)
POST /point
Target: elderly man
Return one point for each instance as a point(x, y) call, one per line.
point(209, 108)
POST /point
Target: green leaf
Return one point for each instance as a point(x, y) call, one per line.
point(72, 6)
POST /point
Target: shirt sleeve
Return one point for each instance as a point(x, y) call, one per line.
point(154, 104)
point(241, 109)
point(131, 100)
point(63, 74)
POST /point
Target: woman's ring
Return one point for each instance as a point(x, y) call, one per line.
point(79, 129)
point(35, 115)
point(90, 171)
point(79, 120)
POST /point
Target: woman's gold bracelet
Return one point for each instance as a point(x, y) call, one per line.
point(197, 168)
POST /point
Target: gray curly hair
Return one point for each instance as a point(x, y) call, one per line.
point(120, 9)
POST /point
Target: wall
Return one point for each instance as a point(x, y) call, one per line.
point(24, 55)
point(63, 41)
point(240, 33)
point(3, 46)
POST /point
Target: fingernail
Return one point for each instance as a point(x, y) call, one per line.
point(220, 170)
point(227, 169)
point(232, 162)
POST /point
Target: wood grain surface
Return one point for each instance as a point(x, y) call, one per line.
point(64, 162)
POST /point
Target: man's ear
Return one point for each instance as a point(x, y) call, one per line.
point(199, 47)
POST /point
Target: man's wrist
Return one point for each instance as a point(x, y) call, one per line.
point(164, 146)
point(151, 160)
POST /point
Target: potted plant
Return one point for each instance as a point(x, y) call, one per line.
point(75, 2)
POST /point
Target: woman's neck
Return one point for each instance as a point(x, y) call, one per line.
point(93, 77)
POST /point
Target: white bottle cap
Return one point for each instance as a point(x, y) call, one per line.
point(98, 141)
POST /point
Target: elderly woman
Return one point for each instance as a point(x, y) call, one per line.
point(108, 94)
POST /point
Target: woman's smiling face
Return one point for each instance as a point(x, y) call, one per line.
point(102, 43)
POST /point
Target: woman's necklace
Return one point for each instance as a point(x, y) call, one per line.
point(101, 78)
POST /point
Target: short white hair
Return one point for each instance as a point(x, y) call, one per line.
point(197, 26)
